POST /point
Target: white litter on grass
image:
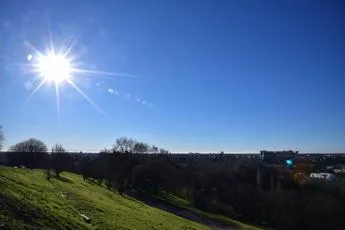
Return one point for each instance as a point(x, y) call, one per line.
point(65, 194)
point(86, 218)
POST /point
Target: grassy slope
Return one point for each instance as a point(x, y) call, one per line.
point(29, 201)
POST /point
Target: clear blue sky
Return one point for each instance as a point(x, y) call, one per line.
point(215, 75)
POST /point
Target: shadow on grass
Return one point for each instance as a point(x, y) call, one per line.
point(132, 199)
point(63, 179)
point(16, 209)
point(184, 212)
point(18, 214)
point(92, 181)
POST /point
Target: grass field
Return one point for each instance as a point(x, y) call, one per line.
point(29, 201)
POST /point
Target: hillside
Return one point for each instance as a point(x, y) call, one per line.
point(29, 201)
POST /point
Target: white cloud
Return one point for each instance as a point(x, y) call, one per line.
point(138, 100)
point(144, 102)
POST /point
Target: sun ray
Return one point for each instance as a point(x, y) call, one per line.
point(57, 101)
point(36, 89)
point(58, 64)
point(50, 34)
point(86, 71)
point(87, 98)
point(70, 47)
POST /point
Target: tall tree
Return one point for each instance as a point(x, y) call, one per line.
point(124, 144)
point(59, 159)
point(31, 145)
point(2, 138)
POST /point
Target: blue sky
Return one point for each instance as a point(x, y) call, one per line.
point(235, 76)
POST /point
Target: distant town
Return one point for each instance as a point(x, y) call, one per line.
point(303, 166)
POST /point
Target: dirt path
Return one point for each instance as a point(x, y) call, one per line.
point(182, 212)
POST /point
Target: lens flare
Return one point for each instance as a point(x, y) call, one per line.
point(58, 65)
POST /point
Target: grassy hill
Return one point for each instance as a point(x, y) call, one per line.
point(29, 201)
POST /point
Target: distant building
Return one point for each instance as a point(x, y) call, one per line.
point(278, 157)
point(339, 171)
point(323, 176)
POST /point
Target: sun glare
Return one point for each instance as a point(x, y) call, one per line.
point(60, 68)
point(54, 67)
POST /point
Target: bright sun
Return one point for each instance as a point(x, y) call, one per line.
point(59, 67)
point(54, 67)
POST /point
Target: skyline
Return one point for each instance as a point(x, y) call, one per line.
point(186, 76)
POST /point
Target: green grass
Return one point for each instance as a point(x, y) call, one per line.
point(29, 201)
point(179, 202)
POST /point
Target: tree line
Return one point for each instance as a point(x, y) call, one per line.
point(213, 184)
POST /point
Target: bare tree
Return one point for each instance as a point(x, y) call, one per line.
point(163, 151)
point(58, 148)
point(154, 149)
point(124, 144)
point(31, 145)
point(141, 147)
point(2, 138)
point(129, 145)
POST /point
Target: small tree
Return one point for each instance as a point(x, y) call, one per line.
point(58, 158)
point(154, 149)
point(58, 148)
point(48, 175)
point(163, 151)
point(140, 147)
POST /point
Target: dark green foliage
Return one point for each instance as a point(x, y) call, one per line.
point(27, 159)
point(60, 162)
point(30, 153)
